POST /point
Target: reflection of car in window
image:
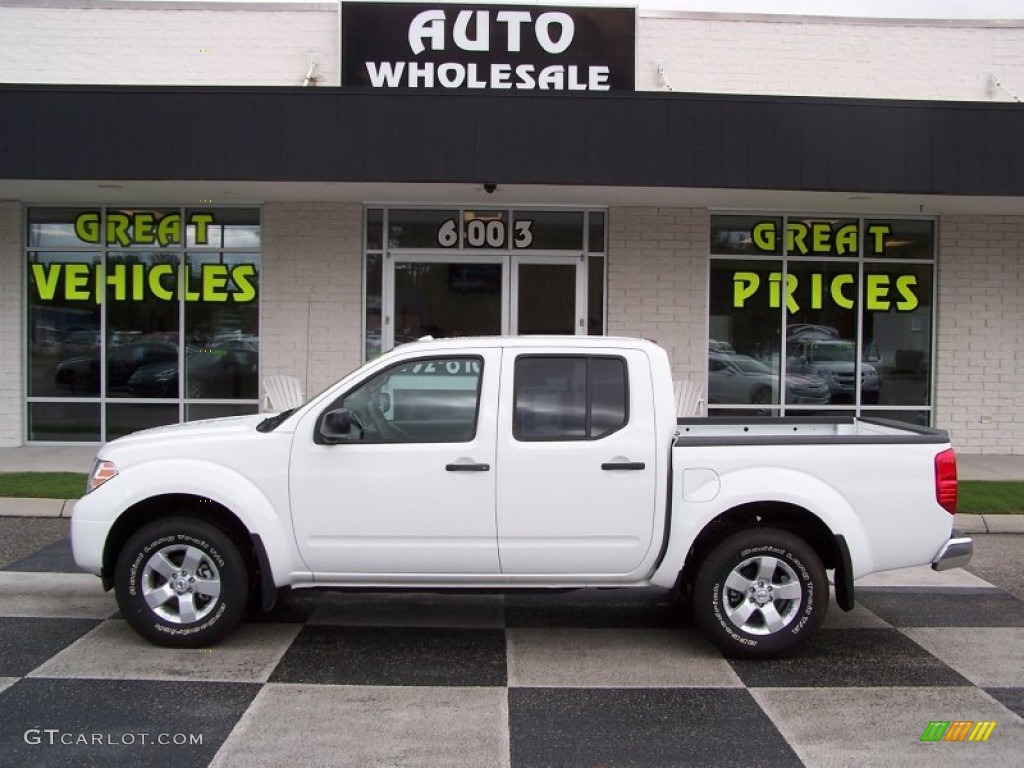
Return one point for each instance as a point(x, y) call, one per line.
point(82, 374)
point(835, 361)
point(220, 370)
point(742, 379)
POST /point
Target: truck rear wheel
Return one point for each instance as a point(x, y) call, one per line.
point(181, 583)
point(760, 593)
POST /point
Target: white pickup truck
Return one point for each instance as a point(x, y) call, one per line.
point(539, 462)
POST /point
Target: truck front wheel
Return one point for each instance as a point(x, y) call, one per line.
point(181, 583)
point(760, 593)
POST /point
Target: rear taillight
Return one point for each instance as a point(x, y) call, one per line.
point(945, 480)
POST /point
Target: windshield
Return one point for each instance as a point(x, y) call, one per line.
point(840, 351)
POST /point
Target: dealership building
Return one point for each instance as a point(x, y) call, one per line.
point(812, 214)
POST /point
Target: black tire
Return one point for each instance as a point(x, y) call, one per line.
point(197, 578)
point(736, 596)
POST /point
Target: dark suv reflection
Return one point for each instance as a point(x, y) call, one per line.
point(227, 370)
point(82, 374)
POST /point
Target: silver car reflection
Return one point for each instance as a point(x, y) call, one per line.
point(736, 378)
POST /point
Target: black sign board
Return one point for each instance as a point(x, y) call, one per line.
point(525, 48)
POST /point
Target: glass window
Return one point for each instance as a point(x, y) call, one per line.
point(222, 228)
point(423, 228)
point(595, 296)
point(125, 418)
point(747, 235)
point(858, 314)
point(548, 230)
point(142, 322)
point(569, 398)
point(746, 297)
point(63, 324)
point(822, 237)
point(896, 317)
point(374, 298)
point(595, 243)
point(899, 238)
point(424, 401)
point(57, 228)
point(485, 229)
point(113, 316)
point(222, 326)
point(64, 422)
point(374, 229)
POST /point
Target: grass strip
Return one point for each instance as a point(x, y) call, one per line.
point(42, 485)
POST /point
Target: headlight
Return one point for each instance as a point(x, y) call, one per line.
point(101, 472)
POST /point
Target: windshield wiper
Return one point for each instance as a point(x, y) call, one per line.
point(271, 423)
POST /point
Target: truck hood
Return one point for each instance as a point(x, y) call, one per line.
point(187, 432)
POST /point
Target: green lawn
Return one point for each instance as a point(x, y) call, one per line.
point(42, 485)
point(983, 497)
point(976, 496)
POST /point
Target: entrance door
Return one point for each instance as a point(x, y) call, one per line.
point(547, 295)
point(482, 295)
point(444, 296)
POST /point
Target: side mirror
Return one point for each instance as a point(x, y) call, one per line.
point(336, 425)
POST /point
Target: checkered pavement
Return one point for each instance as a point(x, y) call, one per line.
point(585, 678)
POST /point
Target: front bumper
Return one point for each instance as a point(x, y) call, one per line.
point(955, 553)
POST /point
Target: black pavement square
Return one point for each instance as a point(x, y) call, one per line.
point(595, 609)
point(118, 722)
point(394, 656)
point(1011, 698)
point(856, 657)
point(928, 607)
point(25, 643)
point(55, 558)
point(642, 727)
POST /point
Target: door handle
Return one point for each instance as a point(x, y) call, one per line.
point(632, 465)
point(467, 467)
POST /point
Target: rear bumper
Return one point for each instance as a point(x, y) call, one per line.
point(955, 553)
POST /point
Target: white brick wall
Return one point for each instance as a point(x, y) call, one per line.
point(980, 323)
point(311, 291)
point(12, 312)
point(658, 282)
point(830, 57)
point(158, 46)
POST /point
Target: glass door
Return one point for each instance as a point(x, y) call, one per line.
point(547, 295)
point(482, 295)
point(444, 296)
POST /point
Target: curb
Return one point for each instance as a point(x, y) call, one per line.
point(963, 523)
point(12, 507)
point(989, 523)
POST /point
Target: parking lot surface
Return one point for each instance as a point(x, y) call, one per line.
point(586, 678)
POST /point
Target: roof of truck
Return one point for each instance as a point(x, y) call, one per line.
point(539, 341)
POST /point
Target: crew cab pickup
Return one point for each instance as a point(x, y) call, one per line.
point(530, 462)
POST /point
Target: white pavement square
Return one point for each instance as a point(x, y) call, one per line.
point(371, 726)
point(113, 651)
